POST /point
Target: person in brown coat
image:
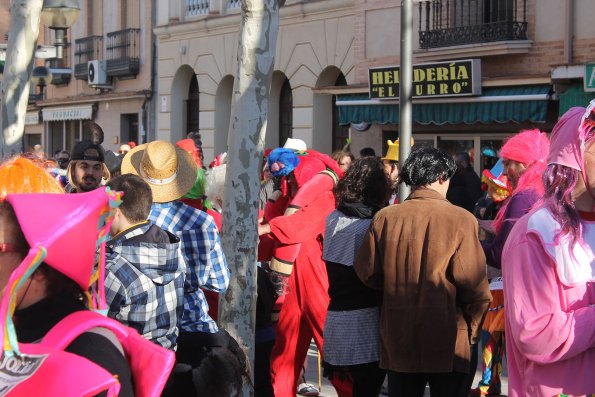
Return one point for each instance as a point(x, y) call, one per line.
point(425, 256)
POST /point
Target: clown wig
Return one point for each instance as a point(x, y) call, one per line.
point(569, 138)
point(20, 175)
point(529, 147)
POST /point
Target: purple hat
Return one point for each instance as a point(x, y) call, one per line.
point(565, 145)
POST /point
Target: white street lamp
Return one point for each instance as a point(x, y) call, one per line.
point(59, 15)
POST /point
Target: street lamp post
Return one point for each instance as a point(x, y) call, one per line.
point(59, 15)
point(41, 77)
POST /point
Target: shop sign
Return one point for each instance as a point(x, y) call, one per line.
point(71, 113)
point(32, 118)
point(430, 80)
point(589, 79)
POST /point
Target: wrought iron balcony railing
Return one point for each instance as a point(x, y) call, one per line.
point(123, 53)
point(445, 23)
point(86, 49)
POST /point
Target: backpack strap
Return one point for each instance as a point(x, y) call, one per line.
point(150, 363)
point(77, 323)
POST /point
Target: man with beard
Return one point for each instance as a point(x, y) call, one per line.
point(86, 168)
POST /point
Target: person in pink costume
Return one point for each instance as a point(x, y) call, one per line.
point(294, 224)
point(52, 261)
point(549, 272)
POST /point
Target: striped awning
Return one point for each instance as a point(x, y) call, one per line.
point(574, 96)
point(526, 103)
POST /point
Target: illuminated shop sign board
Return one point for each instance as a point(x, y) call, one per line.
point(430, 80)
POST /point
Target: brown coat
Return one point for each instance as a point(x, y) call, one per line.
point(425, 256)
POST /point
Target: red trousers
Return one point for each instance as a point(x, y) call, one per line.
point(301, 319)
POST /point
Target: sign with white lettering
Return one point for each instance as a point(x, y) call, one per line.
point(452, 78)
point(589, 79)
point(16, 369)
point(32, 118)
point(71, 113)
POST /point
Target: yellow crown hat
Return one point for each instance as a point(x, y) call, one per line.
point(393, 150)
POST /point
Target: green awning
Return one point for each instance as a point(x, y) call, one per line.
point(574, 96)
point(442, 111)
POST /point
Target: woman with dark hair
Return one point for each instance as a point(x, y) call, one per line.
point(548, 266)
point(351, 342)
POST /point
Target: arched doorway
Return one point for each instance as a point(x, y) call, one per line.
point(192, 106)
point(280, 114)
point(223, 100)
point(326, 136)
point(285, 112)
point(340, 132)
point(180, 108)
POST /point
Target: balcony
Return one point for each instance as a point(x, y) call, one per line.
point(123, 53)
point(86, 49)
point(449, 23)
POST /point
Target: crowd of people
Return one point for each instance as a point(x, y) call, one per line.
point(111, 270)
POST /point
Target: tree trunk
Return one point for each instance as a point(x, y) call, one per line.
point(22, 43)
point(256, 55)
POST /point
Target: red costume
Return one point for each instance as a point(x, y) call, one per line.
point(297, 227)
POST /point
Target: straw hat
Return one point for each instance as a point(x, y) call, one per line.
point(169, 171)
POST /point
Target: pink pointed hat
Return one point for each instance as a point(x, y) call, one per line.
point(564, 140)
point(67, 226)
point(66, 232)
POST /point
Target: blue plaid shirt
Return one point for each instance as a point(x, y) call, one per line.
point(201, 250)
point(144, 282)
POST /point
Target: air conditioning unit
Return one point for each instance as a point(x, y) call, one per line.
point(96, 72)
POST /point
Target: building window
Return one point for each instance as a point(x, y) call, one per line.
point(285, 113)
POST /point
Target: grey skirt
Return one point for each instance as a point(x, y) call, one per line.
point(351, 337)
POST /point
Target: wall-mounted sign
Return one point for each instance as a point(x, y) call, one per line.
point(589, 79)
point(32, 118)
point(452, 78)
point(70, 113)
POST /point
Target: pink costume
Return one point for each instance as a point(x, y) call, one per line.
point(67, 238)
point(549, 287)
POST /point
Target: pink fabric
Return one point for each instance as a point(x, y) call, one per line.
point(150, 363)
point(550, 327)
point(564, 140)
point(55, 376)
point(68, 231)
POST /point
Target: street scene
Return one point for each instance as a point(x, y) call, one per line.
point(264, 198)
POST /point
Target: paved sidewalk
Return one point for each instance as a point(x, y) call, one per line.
point(328, 390)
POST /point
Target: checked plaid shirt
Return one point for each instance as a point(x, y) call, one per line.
point(144, 282)
point(201, 250)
